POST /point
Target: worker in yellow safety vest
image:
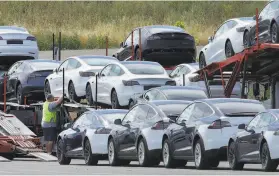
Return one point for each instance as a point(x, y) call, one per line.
point(49, 121)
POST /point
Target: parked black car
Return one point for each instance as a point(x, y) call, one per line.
point(268, 26)
point(26, 78)
point(256, 143)
point(168, 45)
point(187, 93)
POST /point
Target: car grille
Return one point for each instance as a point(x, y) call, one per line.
point(14, 42)
point(150, 86)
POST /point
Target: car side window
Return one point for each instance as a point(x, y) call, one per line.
point(13, 68)
point(87, 120)
point(219, 31)
point(201, 110)
point(73, 64)
point(254, 122)
point(78, 122)
point(265, 120)
point(130, 116)
point(150, 95)
point(265, 10)
point(116, 71)
point(186, 114)
point(174, 73)
point(136, 36)
point(20, 68)
point(128, 40)
point(231, 24)
point(106, 70)
point(63, 65)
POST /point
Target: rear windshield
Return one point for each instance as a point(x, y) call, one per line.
point(235, 108)
point(246, 18)
point(44, 65)
point(186, 94)
point(145, 69)
point(97, 61)
point(172, 109)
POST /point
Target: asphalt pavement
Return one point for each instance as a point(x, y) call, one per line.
point(77, 167)
point(67, 53)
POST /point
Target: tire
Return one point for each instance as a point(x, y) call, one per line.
point(114, 100)
point(62, 159)
point(19, 95)
point(112, 154)
point(142, 152)
point(131, 104)
point(201, 161)
point(268, 165)
point(89, 158)
point(168, 160)
point(89, 96)
point(202, 62)
point(232, 158)
point(214, 162)
point(246, 40)
point(274, 33)
point(72, 93)
point(47, 90)
point(229, 52)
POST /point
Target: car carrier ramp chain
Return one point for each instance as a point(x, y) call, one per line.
point(3, 159)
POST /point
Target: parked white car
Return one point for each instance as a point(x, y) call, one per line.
point(15, 43)
point(78, 70)
point(189, 70)
point(227, 41)
point(118, 82)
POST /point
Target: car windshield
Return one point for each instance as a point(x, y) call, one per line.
point(145, 69)
point(111, 117)
point(172, 109)
point(274, 5)
point(239, 108)
point(97, 61)
point(44, 65)
point(185, 94)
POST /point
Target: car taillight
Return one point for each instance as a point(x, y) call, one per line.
point(218, 124)
point(130, 83)
point(158, 126)
point(171, 83)
point(102, 131)
point(86, 74)
point(31, 38)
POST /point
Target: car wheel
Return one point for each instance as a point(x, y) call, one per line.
point(131, 104)
point(112, 154)
point(232, 158)
point(142, 154)
point(267, 163)
point(168, 160)
point(229, 52)
point(274, 33)
point(114, 100)
point(62, 159)
point(214, 162)
point(246, 40)
point(72, 93)
point(47, 90)
point(201, 161)
point(89, 96)
point(19, 95)
point(202, 62)
point(88, 156)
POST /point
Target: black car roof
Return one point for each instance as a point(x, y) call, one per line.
point(162, 27)
point(166, 102)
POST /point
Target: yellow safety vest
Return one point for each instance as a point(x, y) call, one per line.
point(47, 115)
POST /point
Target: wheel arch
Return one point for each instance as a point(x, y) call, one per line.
point(261, 144)
point(196, 138)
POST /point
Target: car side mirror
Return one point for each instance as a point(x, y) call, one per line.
point(183, 123)
point(55, 70)
point(117, 121)
point(241, 126)
point(67, 126)
point(210, 39)
point(251, 131)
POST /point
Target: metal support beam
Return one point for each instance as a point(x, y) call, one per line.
point(206, 84)
point(183, 79)
point(231, 83)
point(59, 47)
point(96, 93)
point(244, 78)
point(63, 91)
point(53, 46)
